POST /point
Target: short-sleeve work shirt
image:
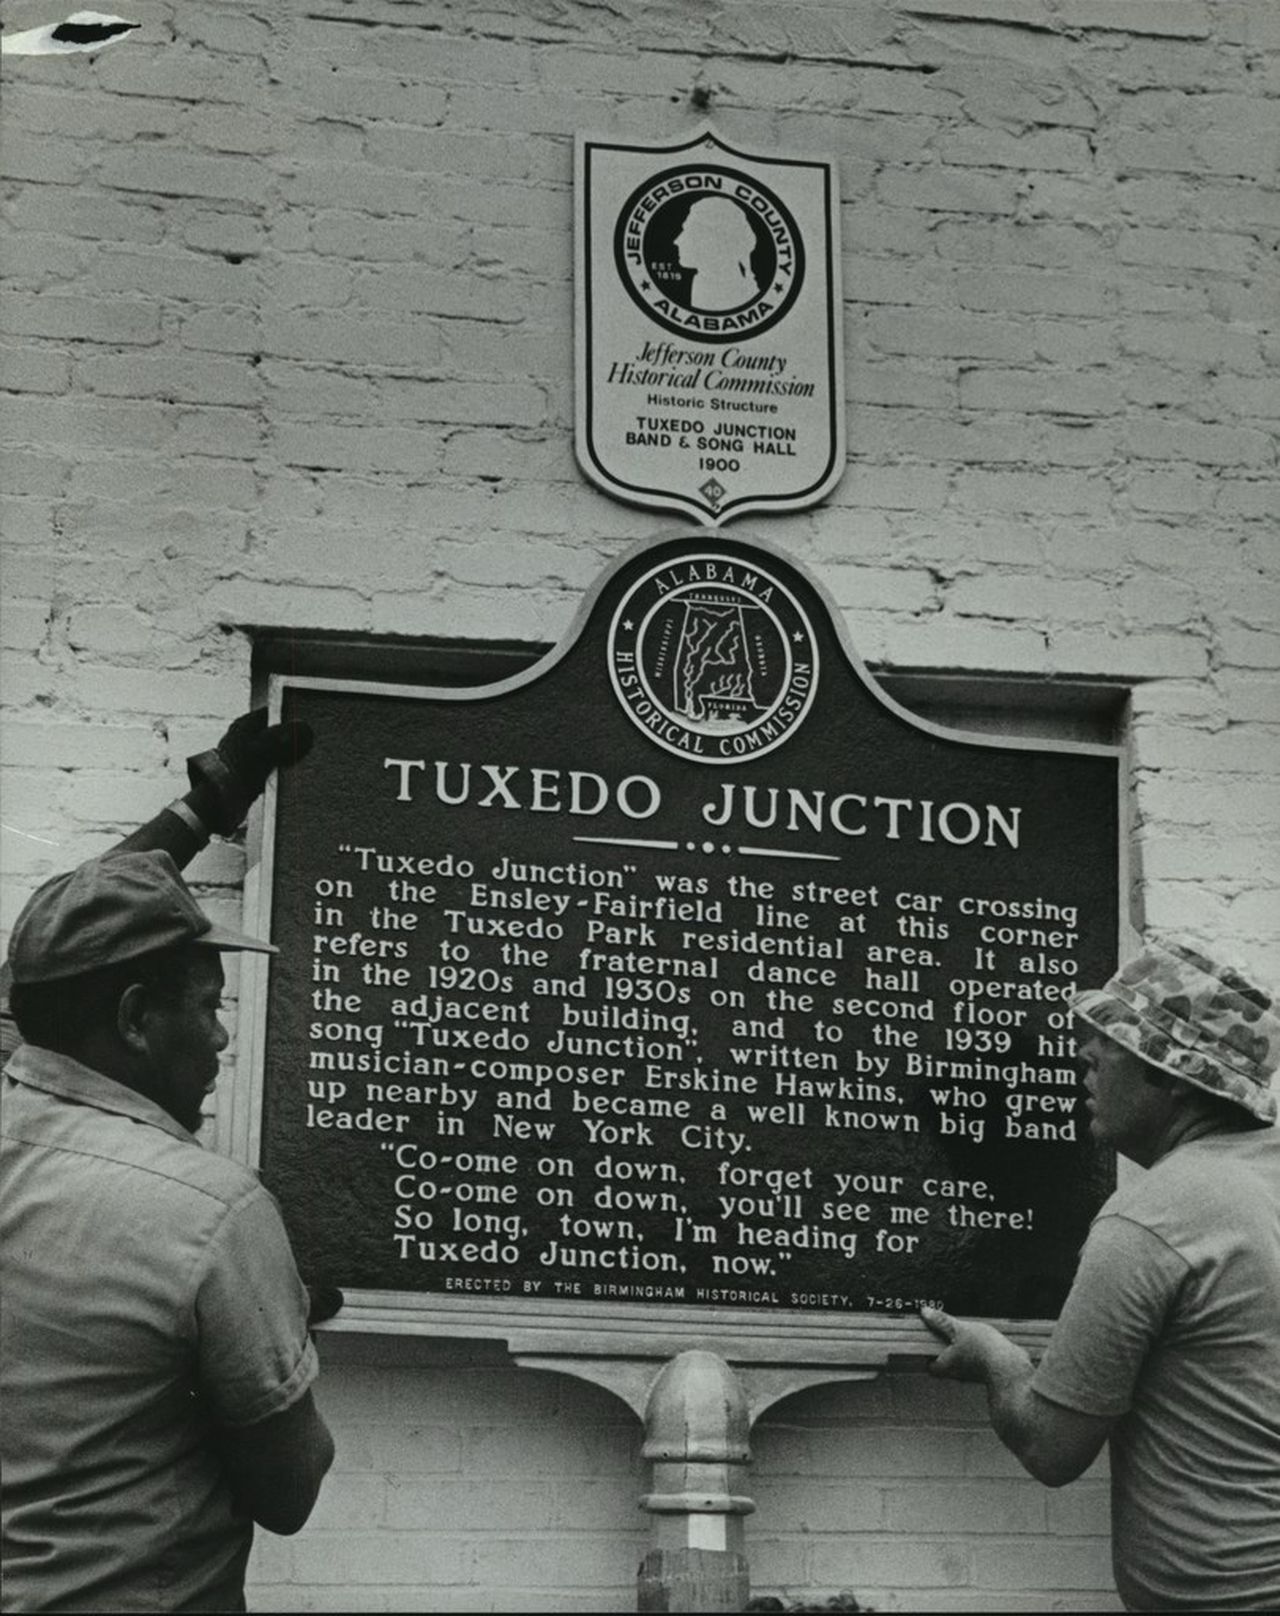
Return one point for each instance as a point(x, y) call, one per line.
point(1172, 1328)
point(150, 1298)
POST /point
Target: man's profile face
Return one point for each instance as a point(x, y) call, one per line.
point(1126, 1111)
point(185, 1038)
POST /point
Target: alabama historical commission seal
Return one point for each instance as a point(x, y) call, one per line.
point(709, 251)
point(713, 659)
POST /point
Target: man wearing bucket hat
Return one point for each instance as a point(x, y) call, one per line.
point(155, 1360)
point(1169, 1342)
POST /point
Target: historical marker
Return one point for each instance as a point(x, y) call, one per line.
point(686, 969)
point(709, 350)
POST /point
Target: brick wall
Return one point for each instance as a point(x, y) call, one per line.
point(287, 342)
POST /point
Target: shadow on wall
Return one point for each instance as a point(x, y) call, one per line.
point(840, 1601)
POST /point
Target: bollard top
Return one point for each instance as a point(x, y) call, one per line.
point(697, 1412)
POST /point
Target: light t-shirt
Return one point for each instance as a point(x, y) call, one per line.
point(1173, 1325)
point(150, 1297)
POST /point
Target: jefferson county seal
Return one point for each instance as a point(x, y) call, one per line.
point(713, 659)
point(709, 251)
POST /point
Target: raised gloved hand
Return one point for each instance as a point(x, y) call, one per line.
point(233, 775)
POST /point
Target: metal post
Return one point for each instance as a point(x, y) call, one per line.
point(696, 1435)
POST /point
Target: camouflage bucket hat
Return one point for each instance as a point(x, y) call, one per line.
point(1199, 1021)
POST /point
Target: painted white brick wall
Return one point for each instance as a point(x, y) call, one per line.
point(290, 285)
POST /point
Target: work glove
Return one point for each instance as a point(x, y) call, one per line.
point(233, 775)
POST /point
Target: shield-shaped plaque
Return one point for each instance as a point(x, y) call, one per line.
point(709, 351)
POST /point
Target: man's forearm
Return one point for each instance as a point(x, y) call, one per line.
point(1010, 1400)
point(275, 1467)
point(1054, 1444)
point(179, 829)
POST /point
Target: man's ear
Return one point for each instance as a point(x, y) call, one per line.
point(131, 1018)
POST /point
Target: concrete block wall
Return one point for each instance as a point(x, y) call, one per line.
point(462, 1485)
point(287, 342)
point(897, 1490)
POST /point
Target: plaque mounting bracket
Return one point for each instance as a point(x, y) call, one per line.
point(623, 1348)
point(632, 1379)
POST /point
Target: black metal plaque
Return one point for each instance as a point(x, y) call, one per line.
point(686, 968)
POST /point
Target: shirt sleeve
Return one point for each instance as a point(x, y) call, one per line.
point(1127, 1283)
point(254, 1355)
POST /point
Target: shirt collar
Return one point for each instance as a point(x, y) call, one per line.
point(67, 1079)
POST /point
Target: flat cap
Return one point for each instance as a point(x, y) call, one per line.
point(108, 910)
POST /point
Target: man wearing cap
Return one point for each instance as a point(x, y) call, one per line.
point(1169, 1342)
point(225, 781)
point(155, 1361)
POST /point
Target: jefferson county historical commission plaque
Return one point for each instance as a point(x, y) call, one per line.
point(685, 969)
point(709, 348)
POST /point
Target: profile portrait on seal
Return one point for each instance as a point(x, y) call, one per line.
point(716, 242)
